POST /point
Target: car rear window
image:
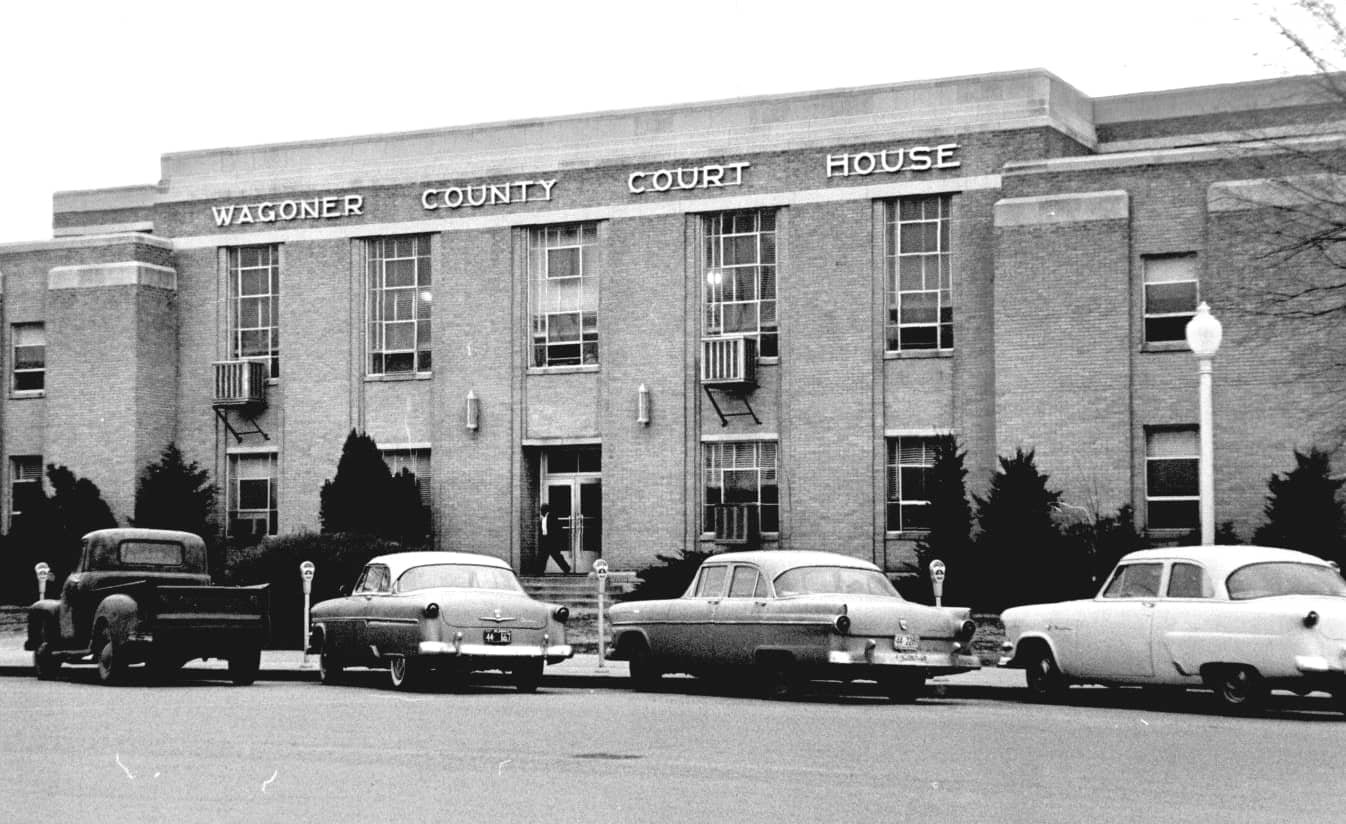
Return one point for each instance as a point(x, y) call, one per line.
point(457, 576)
point(150, 553)
point(1284, 578)
point(831, 580)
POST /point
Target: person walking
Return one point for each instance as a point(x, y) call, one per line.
point(552, 538)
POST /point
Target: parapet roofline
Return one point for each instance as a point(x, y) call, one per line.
point(925, 108)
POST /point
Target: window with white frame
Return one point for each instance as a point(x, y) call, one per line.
point(254, 305)
point(29, 341)
point(399, 305)
point(910, 463)
point(414, 461)
point(252, 494)
point(742, 499)
point(25, 486)
point(919, 274)
point(1172, 493)
point(563, 275)
point(1171, 296)
point(740, 277)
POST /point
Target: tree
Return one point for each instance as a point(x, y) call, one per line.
point(1303, 510)
point(364, 497)
point(950, 523)
point(175, 494)
point(1021, 553)
point(51, 528)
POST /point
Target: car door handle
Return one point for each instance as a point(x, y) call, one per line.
point(1149, 604)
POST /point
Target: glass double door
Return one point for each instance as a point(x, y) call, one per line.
point(576, 503)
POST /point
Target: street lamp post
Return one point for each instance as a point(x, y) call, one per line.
point(1203, 336)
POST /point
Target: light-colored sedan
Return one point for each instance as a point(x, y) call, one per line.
point(455, 612)
point(1240, 620)
point(788, 617)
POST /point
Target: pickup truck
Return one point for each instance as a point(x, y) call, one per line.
point(145, 596)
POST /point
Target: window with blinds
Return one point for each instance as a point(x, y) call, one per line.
point(29, 357)
point(741, 496)
point(25, 486)
point(910, 461)
point(1171, 297)
point(1172, 494)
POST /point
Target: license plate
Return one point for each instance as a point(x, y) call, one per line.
point(497, 636)
point(906, 643)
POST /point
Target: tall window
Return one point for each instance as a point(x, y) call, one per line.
point(399, 305)
point(25, 486)
point(919, 278)
point(254, 304)
point(740, 277)
point(910, 462)
point(741, 498)
point(563, 269)
point(30, 357)
point(1170, 297)
point(252, 495)
point(1172, 495)
point(414, 461)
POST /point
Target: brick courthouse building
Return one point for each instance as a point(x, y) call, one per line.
point(727, 321)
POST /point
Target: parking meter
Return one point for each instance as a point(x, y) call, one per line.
point(43, 576)
point(601, 572)
point(937, 580)
point(306, 570)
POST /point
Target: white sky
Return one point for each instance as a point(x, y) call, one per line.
point(92, 93)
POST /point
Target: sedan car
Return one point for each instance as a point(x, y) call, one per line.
point(1239, 620)
point(456, 612)
point(787, 617)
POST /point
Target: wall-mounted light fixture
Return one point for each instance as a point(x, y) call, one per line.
point(643, 405)
point(473, 411)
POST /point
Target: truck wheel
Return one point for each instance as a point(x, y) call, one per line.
point(527, 677)
point(111, 669)
point(243, 667)
point(47, 665)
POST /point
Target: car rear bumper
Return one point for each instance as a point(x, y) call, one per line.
point(553, 653)
point(935, 663)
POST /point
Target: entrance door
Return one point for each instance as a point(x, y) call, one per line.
point(573, 488)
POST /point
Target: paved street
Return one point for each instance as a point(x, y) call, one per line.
point(201, 750)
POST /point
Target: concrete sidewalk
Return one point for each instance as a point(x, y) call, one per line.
point(585, 670)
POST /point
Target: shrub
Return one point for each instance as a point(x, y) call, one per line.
point(338, 560)
point(366, 498)
point(1303, 511)
point(670, 577)
point(949, 538)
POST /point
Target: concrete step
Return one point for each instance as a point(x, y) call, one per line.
point(578, 591)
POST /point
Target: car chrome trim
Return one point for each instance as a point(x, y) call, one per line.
point(493, 651)
point(1315, 663)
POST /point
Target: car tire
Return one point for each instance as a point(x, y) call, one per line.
point(777, 680)
point(244, 666)
point(1043, 676)
point(111, 668)
point(404, 672)
point(904, 688)
point(1238, 689)
point(528, 676)
point(330, 669)
point(645, 673)
point(46, 663)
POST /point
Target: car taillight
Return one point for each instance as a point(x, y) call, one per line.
point(842, 624)
point(1311, 620)
point(432, 610)
point(561, 614)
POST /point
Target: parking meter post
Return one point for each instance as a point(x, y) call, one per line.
point(306, 570)
point(43, 575)
point(937, 580)
point(601, 572)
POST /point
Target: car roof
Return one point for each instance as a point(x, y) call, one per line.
point(130, 533)
point(399, 562)
point(1224, 559)
point(775, 561)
